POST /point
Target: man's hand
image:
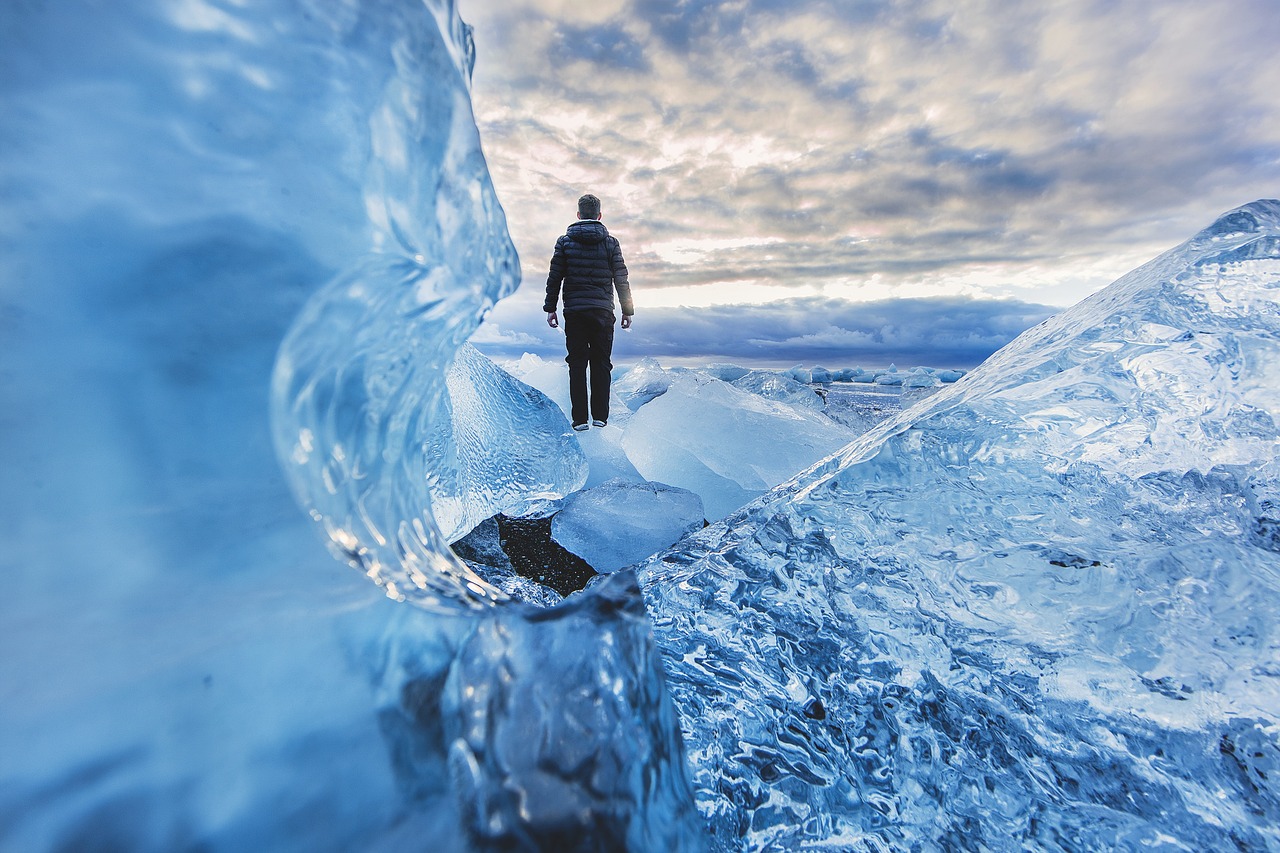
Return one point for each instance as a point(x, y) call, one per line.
point(626, 321)
point(552, 320)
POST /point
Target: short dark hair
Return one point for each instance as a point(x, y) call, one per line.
point(588, 207)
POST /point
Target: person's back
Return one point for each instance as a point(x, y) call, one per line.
point(588, 266)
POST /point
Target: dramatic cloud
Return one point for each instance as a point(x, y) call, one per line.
point(937, 332)
point(834, 151)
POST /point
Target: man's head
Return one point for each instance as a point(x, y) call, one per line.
point(588, 207)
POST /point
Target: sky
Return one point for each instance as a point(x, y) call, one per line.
point(857, 182)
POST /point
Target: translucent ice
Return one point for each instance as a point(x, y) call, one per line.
point(1035, 611)
point(775, 386)
point(645, 381)
point(619, 523)
point(508, 448)
point(602, 448)
point(725, 444)
point(183, 666)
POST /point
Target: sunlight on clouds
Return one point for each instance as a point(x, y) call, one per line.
point(691, 250)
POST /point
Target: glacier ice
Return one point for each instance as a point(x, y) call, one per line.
point(619, 522)
point(183, 666)
point(646, 380)
point(602, 448)
point(725, 444)
point(1034, 611)
point(506, 447)
point(774, 386)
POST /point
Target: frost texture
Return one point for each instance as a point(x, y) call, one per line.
point(1032, 612)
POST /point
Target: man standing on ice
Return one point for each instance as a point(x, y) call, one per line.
point(588, 262)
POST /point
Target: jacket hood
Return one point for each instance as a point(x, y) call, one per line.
point(588, 231)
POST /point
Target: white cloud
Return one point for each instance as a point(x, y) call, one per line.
point(753, 151)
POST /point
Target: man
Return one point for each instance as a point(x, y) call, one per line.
point(588, 262)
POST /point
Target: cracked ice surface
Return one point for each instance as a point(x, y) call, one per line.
point(1036, 610)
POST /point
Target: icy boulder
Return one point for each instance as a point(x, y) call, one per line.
point(511, 448)
point(1039, 605)
point(921, 377)
point(724, 372)
point(645, 381)
point(602, 448)
point(774, 386)
point(184, 667)
point(725, 444)
point(620, 523)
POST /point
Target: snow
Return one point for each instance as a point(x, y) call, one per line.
point(619, 523)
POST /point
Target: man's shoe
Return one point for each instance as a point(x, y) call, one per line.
point(598, 424)
point(580, 427)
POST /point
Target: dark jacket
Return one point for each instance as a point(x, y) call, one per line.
point(588, 261)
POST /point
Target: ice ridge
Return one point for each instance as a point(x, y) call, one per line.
point(1034, 611)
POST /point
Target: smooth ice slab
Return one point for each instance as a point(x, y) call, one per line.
point(725, 444)
point(619, 523)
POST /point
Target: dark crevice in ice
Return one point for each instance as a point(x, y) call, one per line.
point(524, 546)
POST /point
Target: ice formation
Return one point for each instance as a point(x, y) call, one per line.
point(725, 444)
point(1035, 611)
point(774, 386)
point(506, 448)
point(619, 522)
point(645, 381)
point(606, 460)
point(183, 665)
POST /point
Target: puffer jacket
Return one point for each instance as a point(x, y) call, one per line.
point(588, 262)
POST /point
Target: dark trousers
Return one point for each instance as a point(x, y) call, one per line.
point(588, 335)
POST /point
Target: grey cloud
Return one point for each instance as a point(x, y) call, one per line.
point(1034, 133)
point(948, 332)
point(609, 45)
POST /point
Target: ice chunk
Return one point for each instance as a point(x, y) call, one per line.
point(183, 666)
point(620, 523)
point(725, 444)
point(546, 747)
point(511, 448)
point(920, 378)
point(724, 372)
point(605, 457)
point(784, 389)
point(1066, 561)
point(645, 381)
point(801, 374)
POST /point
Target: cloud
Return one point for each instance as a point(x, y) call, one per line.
point(820, 144)
point(938, 332)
